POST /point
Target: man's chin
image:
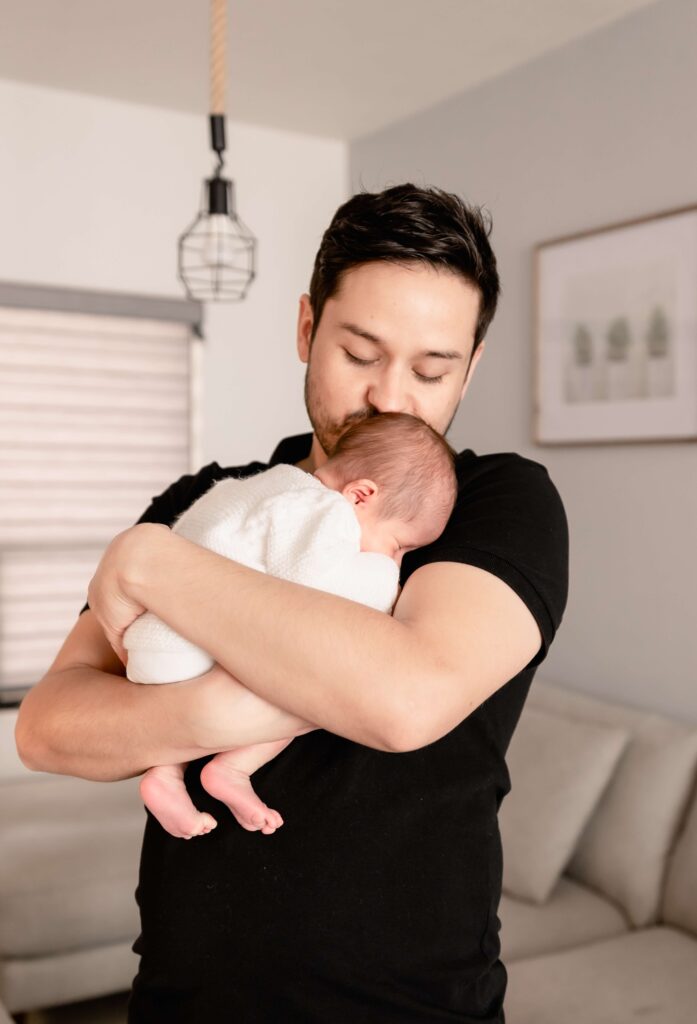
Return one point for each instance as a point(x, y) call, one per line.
point(328, 444)
point(328, 439)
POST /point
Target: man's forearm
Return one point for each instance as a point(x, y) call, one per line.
point(85, 722)
point(335, 662)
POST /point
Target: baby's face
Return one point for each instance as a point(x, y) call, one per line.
point(394, 537)
point(391, 537)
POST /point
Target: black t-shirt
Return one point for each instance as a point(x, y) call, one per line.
point(377, 900)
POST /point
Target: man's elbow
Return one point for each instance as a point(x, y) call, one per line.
point(37, 753)
point(414, 727)
point(29, 749)
point(31, 740)
point(34, 733)
point(39, 756)
point(412, 732)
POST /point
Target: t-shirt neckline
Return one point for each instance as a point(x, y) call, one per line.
point(291, 449)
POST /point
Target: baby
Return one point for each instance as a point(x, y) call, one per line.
point(388, 485)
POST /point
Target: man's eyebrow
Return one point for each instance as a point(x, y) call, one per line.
point(361, 333)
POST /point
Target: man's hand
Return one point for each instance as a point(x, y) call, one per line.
point(108, 593)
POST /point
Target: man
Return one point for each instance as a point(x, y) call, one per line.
point(377, 900)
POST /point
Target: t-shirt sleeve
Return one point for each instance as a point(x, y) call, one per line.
point(509, 520)
point(166, 507)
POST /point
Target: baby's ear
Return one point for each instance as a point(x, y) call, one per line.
point(359, 492)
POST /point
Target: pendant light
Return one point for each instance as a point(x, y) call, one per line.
point(217, 252)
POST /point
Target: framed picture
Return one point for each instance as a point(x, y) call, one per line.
point(616, 333)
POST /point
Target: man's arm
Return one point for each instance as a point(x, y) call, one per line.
point(85, 718)
point(398, 682)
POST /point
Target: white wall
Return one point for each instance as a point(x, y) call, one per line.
point(94, 193)
point(600, 131)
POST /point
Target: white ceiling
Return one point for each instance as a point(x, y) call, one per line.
point(341, 68)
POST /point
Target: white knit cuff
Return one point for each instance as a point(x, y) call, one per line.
point(166, 666)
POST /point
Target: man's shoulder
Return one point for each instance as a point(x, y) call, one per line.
point(471, 466)
point(505, 478)
point(509, 520)
point(182, 493)
point(213, 471)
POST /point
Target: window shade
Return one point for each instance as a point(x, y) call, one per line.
point(95, 419)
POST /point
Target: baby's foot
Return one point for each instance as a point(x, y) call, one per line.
point(232, 786)
point(163, 792)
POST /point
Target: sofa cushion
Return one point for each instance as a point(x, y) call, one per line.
point(680, 894)
point(32, 983)
point(648, 976)
point(558, 767)
point(69, 851)
point(572, 915)
point(623, 849)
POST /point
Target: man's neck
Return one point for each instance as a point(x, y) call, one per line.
point(315, 459)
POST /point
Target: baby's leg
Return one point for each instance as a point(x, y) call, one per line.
point(163, 792)
point(226, 778)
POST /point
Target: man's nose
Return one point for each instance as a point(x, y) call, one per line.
point(388, 394)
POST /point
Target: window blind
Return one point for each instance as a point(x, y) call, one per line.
point(96, 417)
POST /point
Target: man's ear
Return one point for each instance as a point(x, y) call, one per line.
point(472, 367)
point(305, 321)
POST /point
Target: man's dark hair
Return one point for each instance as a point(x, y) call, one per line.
point(408, 223)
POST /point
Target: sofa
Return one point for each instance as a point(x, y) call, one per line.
point(599, 910)
point(614, 940)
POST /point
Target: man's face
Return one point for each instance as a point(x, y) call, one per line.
point(395, 338)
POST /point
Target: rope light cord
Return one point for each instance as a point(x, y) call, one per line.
point(218, 40)
point(217, 253)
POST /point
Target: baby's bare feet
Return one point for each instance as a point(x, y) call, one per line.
point(163, 792)
point(232, 786)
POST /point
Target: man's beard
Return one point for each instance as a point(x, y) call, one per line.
point(328, 431)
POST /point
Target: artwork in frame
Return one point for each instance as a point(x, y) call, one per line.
point(616, 333)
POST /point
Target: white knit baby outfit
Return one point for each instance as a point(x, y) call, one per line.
point(282, 521)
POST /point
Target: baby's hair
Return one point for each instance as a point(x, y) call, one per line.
point(399, 452)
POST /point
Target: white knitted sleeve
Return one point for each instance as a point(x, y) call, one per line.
point(158, 654)
point(216, 520)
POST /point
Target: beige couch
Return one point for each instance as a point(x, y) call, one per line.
point(604, 855)
point(615, 941)
point(69, 853)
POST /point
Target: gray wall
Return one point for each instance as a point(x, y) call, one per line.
point(600, 131)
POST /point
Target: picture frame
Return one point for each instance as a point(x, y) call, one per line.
point(615, 333)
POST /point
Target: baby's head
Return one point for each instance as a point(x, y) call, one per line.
point(399, 475)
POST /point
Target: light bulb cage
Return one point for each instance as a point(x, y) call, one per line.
point(217, 252)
